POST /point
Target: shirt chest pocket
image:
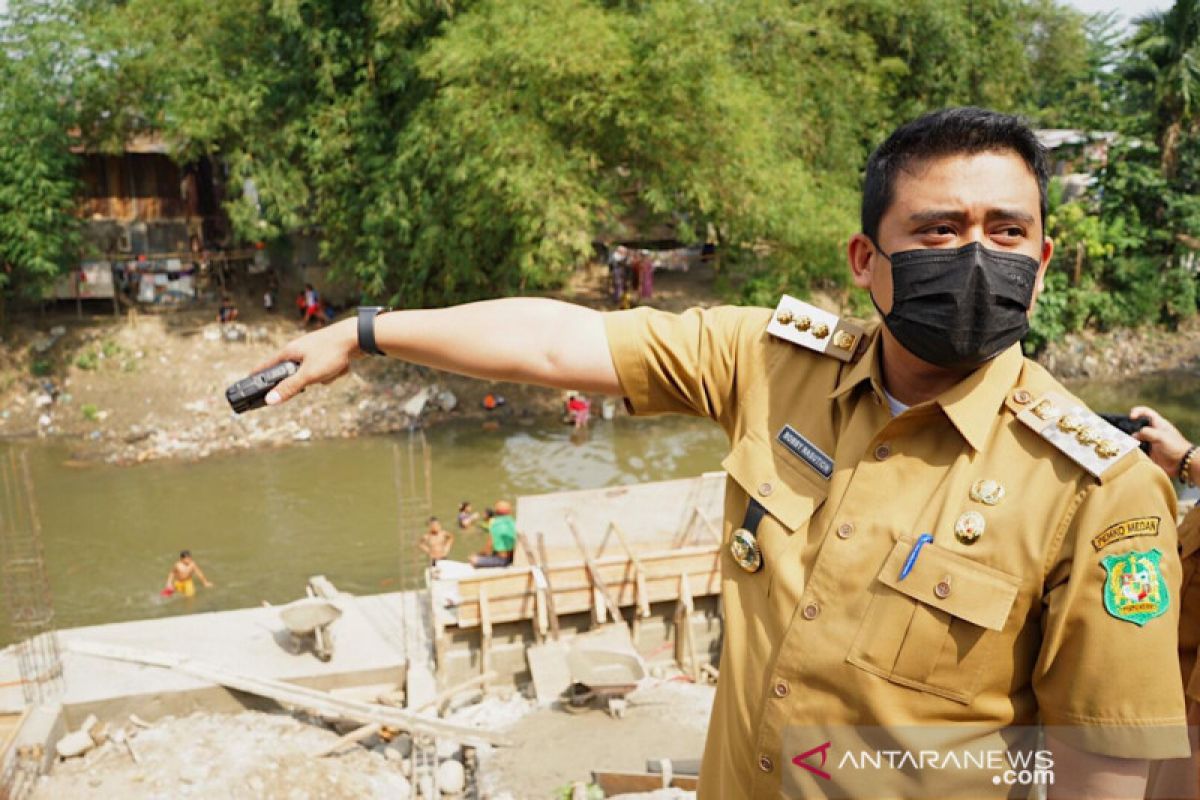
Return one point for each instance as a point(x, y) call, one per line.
point(785, 492)
point(940, 628)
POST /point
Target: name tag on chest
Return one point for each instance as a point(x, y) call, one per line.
point(805, 450)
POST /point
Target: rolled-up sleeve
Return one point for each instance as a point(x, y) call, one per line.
point(1107, 677)
point(691, 363)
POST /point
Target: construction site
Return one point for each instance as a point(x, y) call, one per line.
point(584, 669)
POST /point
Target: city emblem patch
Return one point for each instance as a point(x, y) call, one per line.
point(1134, 589)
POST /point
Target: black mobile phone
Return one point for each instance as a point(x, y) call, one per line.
point(251, 392)
point(1127, 425)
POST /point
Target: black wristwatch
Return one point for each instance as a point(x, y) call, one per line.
point(366, 329)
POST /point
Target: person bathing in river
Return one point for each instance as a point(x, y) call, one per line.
point(467, 517)
point(436, 542)
point(502, 532)
point(180, 578)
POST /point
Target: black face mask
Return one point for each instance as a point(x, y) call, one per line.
point(959, 308)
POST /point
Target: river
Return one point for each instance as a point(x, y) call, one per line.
point(261, 522)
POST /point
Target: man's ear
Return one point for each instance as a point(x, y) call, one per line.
point(1047, 254)
point(859, 252)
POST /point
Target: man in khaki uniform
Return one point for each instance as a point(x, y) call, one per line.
point(924, 532)
point(1179, 458)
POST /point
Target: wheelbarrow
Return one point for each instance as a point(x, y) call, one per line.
point(602, 675)
point(308, 620)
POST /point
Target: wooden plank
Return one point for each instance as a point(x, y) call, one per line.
point(291, 694)
point(570, 591)
point(612, 783)
point(437, 702)
point(485, 634)
point(685, 642)
point(543, 564)
point(356, 735)
point(640, 600)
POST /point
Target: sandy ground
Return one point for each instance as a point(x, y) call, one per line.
point(664, 719)
point(250, 755)
point(257, 755)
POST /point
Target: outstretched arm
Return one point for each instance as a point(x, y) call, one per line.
point(524, 340)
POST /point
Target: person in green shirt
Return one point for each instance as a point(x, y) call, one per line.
point(503, 532)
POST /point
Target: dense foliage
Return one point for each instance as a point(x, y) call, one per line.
point(38, 232)
point(454, 149)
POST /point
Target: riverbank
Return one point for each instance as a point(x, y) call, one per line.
point(146, 387)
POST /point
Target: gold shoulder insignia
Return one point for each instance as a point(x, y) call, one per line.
point(1074, 429)
point(816, 329)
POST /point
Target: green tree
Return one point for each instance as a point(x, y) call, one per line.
point(1162, 75)
point(38, 191)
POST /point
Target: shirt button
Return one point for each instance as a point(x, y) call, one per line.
point(765, 763)
point(845, 530)
point(1022, 397)
point(882, 452)
point(765, 489)
point(942, 590)
point(811, 611)
point(781, 689)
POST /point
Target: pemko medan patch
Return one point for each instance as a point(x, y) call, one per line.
point(1128, 529)
point(1134, 588)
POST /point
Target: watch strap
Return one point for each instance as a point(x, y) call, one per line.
point(366, 329)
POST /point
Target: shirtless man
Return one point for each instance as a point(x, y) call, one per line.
point(179, 579)
point(436, 542)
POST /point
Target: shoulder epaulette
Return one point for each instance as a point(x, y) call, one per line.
point(816, 329)
point(1078, 432)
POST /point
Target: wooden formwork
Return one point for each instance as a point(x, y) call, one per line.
point(605, 588)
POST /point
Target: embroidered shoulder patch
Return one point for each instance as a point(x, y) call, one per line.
point(1134, 589)
point(1138, 526)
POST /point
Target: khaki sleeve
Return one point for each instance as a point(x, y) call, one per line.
point(692, 363)
point(1107, 677)
point(1189, 602)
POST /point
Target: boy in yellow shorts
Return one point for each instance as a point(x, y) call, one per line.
point(179, 579)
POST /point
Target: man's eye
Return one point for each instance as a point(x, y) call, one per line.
point(940, 230)
point(1012, 231)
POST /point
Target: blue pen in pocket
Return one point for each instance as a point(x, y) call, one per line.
point(922, 540)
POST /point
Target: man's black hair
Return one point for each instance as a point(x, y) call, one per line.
point(185, 553)
point(951, 131)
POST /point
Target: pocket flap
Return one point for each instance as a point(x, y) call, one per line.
point(783, 489)
point(979, 594)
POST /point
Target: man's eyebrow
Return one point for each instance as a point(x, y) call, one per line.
point(956, 215)
point(937, 215)
point(1010, 213)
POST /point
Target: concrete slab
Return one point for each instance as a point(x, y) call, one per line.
point(650, 514)
point(368, 649)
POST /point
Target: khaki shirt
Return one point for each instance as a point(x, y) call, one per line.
point(990, 634)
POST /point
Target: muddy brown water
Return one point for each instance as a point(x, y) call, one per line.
point(261, 522)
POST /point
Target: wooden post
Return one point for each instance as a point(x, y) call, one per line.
point(538, 560)
point(599, 613)
point(439, 637)
point(685, 647)
point(641, 598)
point(485, 634)
point(540, 622)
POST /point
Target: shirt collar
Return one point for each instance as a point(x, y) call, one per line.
point(971, 404)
